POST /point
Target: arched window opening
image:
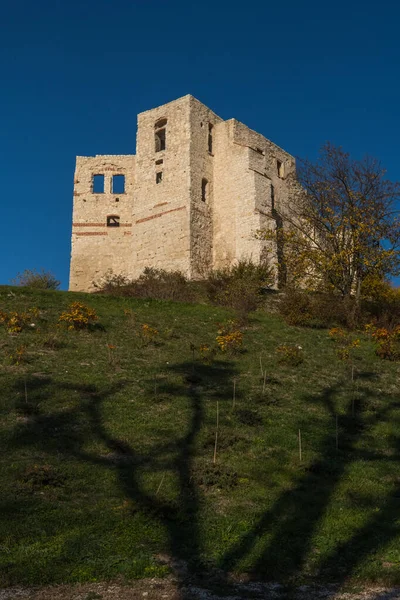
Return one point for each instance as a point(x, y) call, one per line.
point(160, 135)
point(210, 138)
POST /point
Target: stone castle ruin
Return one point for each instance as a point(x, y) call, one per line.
point(191, 198)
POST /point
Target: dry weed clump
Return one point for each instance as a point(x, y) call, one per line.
point(346, 343)
point(290, 354)
point(387, 341)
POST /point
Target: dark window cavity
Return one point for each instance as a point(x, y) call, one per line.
point(159, 162)
point(118, 184)
point(272, 197)
point(210, 138)
point(204, 190)
point(98, 184)
point(159, 177)
point(112, 221)
point(160, 135)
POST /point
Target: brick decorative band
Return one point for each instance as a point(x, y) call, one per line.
point(160, 214)
point(91, 233)
point(88, 224)
point(98, 224)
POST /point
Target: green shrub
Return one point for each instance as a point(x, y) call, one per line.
point(43, 280)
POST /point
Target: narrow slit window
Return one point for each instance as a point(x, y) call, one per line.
point(272, 197)
point(159, 177)
point(160, 135)
point(210, 138)
point(118, 184)
point(113, 221)
point(204, 190)
point(98, 184)
point(280, 168)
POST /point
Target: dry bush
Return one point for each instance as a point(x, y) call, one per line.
point(152, 283)
point(241, 286)
point(306, 309)
point(42, 280)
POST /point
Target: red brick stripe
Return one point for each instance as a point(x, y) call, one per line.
point(91, 233)
point(160, 214)
point(88, 224)
point(98, 224)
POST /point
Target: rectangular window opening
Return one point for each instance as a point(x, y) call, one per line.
point(160, 137)
point(272, 197)
point(210, 138)
point(118, 184)
point(159, 162)
point(98, 184)
point(280, 168)
point(159, 177)
point(112, 221)
point(204, 190)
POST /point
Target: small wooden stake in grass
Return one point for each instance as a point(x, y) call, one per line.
point(300, 456)
point(337, 434)
point(234, 393)
point(161, 482)
point(216, 436)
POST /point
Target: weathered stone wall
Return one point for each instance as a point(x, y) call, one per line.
point(97, 248)
point(187, 207)
point(161, 211)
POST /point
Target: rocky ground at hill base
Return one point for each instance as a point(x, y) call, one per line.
point(170, 589)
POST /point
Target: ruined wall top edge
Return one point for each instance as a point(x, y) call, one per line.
point(237, 123)
point(108, 156)
point(181, 100)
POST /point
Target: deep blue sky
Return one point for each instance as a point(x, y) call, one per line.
point(75, 73)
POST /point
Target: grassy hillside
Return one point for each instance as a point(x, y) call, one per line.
point(108, 439)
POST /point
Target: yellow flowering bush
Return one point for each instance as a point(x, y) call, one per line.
point(78, 316)
point(229, 338)
point(15, 321)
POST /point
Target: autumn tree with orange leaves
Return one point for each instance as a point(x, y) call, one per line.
point(341, 229)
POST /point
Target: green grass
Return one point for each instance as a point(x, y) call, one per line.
point(107, 453)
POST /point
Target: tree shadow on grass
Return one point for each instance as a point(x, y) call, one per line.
point(65, 433)
point(291, 523)
point(281, 541)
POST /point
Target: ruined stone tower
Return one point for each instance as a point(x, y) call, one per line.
point(191, 198)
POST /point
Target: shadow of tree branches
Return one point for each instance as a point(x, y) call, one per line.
point(291, 522)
